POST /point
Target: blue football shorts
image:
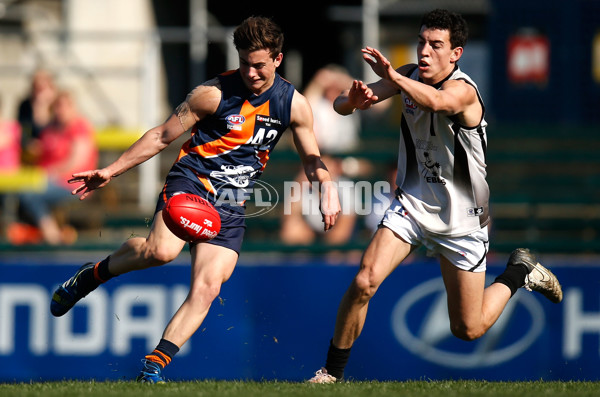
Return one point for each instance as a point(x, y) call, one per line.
point(233, 222)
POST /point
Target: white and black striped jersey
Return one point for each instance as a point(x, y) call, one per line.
point(441, 168)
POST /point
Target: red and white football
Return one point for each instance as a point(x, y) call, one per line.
point(191, 218)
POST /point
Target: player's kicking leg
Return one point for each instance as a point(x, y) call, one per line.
point(137, 253)
point(74, 289)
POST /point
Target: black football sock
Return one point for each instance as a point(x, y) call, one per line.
point(336, 361)
point(92, 278)
point(164, 353)
point(101, 273)
point(513, 277)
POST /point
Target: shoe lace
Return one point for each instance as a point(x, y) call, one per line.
point(73, 282)
point(150, 368)
point(527, 285)
point(322, 373)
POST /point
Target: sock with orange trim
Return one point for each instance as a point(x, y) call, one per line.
point(101, 273)
point(163, 353)
point(91, 279)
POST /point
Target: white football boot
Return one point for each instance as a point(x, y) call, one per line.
point(321, 376)
point(539, 278)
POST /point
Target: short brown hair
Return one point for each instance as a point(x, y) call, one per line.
point(259, 33)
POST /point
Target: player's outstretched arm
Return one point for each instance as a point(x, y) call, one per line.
point(362, 96)
point(150, 144)
point(454, 98)
point(359, 96)
point(202, 101)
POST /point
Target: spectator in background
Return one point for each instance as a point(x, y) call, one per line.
point(66, 146)
point(304, 224)
point(10, 154)
point(10, 144)
point(35, 110)
point(335, 133)
point(337, 136)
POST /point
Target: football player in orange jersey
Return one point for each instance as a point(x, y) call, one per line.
point(235, 119)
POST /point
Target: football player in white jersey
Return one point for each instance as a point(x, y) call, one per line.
point(442, 197)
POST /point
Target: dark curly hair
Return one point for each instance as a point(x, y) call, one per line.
point(258, 33)
point(448, 20)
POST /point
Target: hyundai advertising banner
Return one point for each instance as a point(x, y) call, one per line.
point(275, 321)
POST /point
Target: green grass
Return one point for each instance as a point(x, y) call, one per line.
point(292, 389)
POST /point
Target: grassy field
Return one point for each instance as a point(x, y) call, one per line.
point(290, 389)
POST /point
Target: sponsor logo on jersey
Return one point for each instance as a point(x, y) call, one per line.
point(435, 179)
point(267, 120)
point(425, 145)
point(475, 211)
point(399, 209)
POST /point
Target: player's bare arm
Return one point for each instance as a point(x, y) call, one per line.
point(362, 96)
point(203, 100)
point(455, 97)
point(301, 124)
point(359, 96)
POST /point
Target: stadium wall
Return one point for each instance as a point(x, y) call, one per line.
point(274, 321)
point(544, 61)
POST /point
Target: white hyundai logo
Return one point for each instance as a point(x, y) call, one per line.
point(434, 328)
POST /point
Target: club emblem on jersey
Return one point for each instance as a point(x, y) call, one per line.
point(235, 121)
point(432, 170)
point(410, 106)
point(238, 176)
